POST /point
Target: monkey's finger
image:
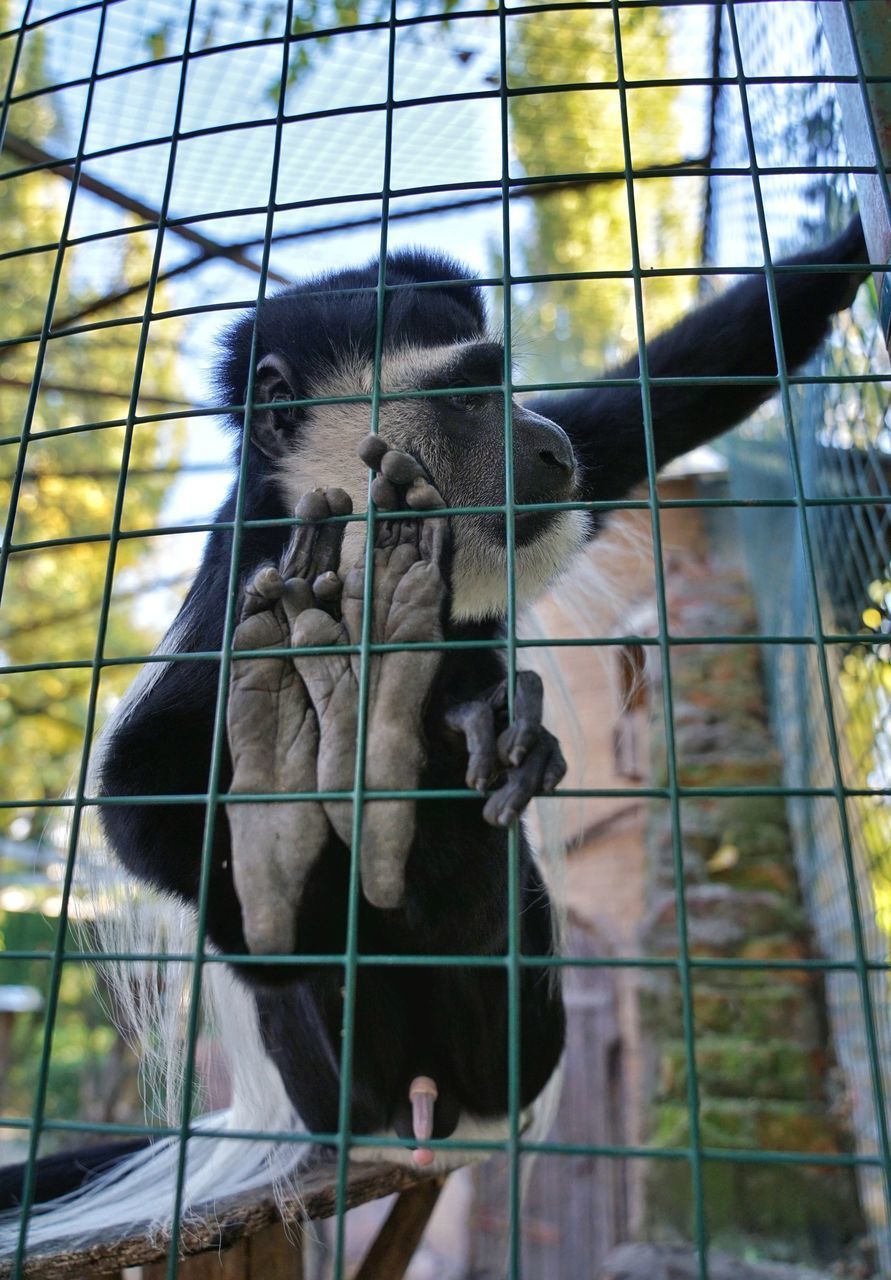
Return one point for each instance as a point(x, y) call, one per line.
point(400, 468)
point(519, 738)
point(388, 831)
point(313, 505)
point(261, 591)
point(476, 720)
point(298, 558)
point(556, 767)
point(327, 590)
point(372, 450)
point(515, 742)
point(434, 539)
point(509, 801)
point(329, 537)
point(296, 597)
point(385, 494)
point(314, 627)
point(339, 502)
point(421, 495)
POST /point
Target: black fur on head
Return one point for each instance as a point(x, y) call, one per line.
point(315, 323)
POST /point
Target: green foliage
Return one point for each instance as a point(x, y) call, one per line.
point(579, 325)
point(70, 482)
point(92, 1073)
point(52, 594)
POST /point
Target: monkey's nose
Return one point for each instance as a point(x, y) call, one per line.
point(552, 459)
point(544, 460)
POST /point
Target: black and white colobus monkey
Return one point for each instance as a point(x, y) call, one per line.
point(448, 890)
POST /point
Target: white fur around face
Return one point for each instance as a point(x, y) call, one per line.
point(326, 455)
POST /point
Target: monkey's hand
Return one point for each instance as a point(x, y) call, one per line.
point(523, 759)
point(274, 739)
point(408, 599)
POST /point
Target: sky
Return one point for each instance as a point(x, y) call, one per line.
point(323, 160)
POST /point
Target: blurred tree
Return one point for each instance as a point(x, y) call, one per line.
point(580, 325)
point(52, 595)
point(52, 598)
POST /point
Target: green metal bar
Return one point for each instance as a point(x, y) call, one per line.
point(582, 793)
point(846, 639)
point(514, 1258)
point(359, 789)
point(432, 961)
point(55, 975)
point(700, 1228)
point(844, 1160)
point(864, 81)
point(219, 727)
point(511, 91)
point(8, 96)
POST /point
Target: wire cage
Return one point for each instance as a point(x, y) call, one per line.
point(840, 430)
point(166, 165)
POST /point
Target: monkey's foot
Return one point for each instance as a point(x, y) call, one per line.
point(400, 478)
point(524, 756)
point(274, 740)
point(408, 599)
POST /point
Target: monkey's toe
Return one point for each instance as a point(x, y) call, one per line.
point(401, 480)
point(541, 770)
point(476, 720)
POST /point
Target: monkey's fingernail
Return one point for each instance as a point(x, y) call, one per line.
point(423, 1094)
point(268, 583)
point(313, 506)
point(372, 450)
point(400, 467)
point(327, 586)
point(385, 494)
point(340, 502)
point(421, 496)
point(422, 1157)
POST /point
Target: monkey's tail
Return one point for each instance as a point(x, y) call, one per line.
point(120, 1197)
point(149, 1000)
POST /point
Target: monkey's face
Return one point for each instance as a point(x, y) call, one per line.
point(432, 407)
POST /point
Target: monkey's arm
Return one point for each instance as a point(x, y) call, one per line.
point(731, 336)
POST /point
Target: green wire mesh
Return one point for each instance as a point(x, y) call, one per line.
point(813, 470)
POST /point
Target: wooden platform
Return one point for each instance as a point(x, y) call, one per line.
point(247, 1239)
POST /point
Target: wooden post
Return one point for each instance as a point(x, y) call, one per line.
point(394, 1246)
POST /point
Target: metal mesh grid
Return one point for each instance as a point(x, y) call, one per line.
point(841, 434)
point(97, 43)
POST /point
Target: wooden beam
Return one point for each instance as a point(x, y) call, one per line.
point(394, 1245)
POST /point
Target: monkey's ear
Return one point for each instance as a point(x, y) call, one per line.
point(273, 381)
